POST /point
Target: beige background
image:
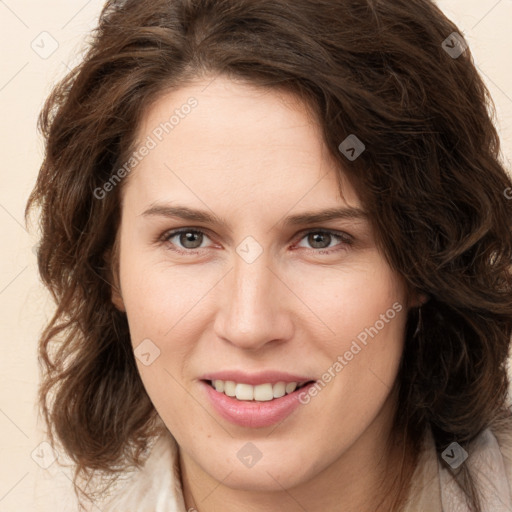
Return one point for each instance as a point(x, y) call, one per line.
point(29, 32)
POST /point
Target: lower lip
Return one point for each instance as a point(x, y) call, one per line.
point(253, 414)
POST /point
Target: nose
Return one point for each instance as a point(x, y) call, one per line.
point(254, 310)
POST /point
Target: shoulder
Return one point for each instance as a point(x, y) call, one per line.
point(488, 457)
point(501, 440)
point(502, 430)
point(156, 486)
point(489, 460)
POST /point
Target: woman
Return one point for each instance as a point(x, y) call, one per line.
point(279, 240)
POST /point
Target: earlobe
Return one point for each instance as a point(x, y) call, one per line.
point(418, 299)
point(115, 289)
point(117, 298)
point(112, 261)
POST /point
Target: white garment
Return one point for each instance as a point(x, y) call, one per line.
point(491, 478)
point(157, 488)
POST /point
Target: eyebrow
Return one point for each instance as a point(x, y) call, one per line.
point(311, 217)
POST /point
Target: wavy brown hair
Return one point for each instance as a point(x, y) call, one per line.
point(431, 178)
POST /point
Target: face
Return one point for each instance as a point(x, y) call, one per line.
point(226, 275)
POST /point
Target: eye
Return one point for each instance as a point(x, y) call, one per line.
point(322, 239)
point(186, 240)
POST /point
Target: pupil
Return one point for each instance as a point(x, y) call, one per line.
point(192, 238)
point(317, 239)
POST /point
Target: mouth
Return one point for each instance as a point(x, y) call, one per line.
point(254, 406)
point(265, 392)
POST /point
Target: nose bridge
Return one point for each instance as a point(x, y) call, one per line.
point(253, 312)
point(251, 285)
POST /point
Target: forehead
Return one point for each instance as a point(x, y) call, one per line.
point(237, 140)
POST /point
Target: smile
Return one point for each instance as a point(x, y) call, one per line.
point(246, 407)
point(260, 393)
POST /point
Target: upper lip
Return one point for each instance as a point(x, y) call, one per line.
point(271, 376)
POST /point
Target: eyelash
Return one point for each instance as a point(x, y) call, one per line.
point(343, 237)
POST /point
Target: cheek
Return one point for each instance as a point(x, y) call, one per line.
point(162, 321)
point(365, 313)
point(166, 311)
point(360, 302)
point(161, 298)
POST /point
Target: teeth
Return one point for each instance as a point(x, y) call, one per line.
point(229, 387)
point(279, 389)
point(263, 393)
point(290, 387)
point(244, 392)
point(260, 393)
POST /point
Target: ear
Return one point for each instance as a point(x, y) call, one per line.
point(117, 298)
point(417, 299)
point(112, 261)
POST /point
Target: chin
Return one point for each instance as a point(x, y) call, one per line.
point(262, 477)
point(279, 467)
